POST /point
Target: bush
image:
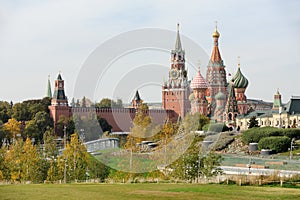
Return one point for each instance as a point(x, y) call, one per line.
point(276, 143)
point(215, 127)
point(291, 133)
point(256, 134)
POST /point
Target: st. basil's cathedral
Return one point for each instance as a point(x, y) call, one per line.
point(212, 96)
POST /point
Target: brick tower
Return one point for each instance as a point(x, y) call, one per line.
point(176, 90)
point(59, 103)
point(216, 74)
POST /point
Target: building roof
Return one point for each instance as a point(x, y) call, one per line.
point(137, 96)
point(293, 106)
point(215, 55)
point(59, 77)
point(239, 80)
point(49, 92)
point(198, 82)
point(178, 46)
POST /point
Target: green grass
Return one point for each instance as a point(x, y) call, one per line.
point(145, 191)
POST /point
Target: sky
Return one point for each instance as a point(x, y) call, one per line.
point(41, 38)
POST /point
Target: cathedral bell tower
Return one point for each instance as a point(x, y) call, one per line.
point(215, 74)
point(176, 90)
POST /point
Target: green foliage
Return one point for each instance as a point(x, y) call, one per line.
point(5, 111)
point(142, 127)
point(194, 122)
point(253, 122)
point(255, 134)
point(291, 133)
point(26, 110)
point(276, 143)
point(109, 103)
point(216, 127)
point(75, 159)
point(36, 127)
point(96, 169)
point(105, 126)
point(193, 163)
point(63, 122)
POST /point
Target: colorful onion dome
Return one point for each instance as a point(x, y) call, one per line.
point(220, 96)
point(239, 80)
point(198, 82)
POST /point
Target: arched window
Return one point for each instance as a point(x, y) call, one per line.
point(229, 116)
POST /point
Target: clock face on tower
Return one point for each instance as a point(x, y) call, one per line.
point(174, 73)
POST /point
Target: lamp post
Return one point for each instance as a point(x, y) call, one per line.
point(291, 149)
point(280, 111)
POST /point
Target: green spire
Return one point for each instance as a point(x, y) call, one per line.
point(49, 92)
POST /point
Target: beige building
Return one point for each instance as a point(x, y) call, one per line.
point(281, 116)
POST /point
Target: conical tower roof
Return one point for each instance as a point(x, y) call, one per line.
point(215, 55)
point(178, 46)
point(137, 96)
point(49, 92)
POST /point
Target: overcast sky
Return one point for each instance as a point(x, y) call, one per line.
point(38, 38)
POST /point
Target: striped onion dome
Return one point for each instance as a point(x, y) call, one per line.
point(239, 80)
point(198, 82)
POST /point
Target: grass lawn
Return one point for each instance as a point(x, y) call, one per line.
point(144, 191)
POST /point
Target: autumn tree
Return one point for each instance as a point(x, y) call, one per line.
point(193, 122)
point(194, 164)
point(13, 127)
point(13, 161)
point(29, 160)
point(142, 127)
point(74, 159)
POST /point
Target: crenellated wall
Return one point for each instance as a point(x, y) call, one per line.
point(119, 118)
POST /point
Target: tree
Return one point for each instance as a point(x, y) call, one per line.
point(13, 161)
point(253, 122)
point(193, 122)
point(5, 111)
point(21, 112)
point(36, 127)
point(109, 103)
point(193, 164)
point(13, 127)
point(83, 102)
point(105, 103)
point(63, 122)
point(141, 129)
point(76, 159)
point(105, 126)
point(73, 103)
point(29, 160)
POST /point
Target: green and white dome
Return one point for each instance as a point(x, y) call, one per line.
point(239, 80)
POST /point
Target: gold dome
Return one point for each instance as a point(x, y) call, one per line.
point(216, 34)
